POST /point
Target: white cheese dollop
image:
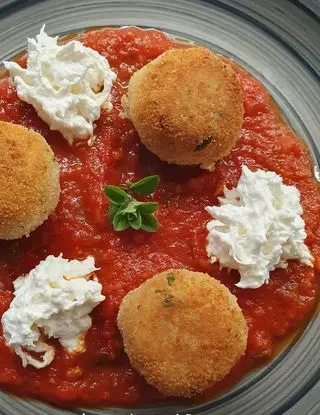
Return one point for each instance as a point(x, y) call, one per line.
point(257, 228)
point(67, 85)
point(53, 300)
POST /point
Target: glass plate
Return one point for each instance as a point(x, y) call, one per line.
point(277, 41)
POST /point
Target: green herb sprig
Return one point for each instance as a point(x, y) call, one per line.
point(170, 278)
point(169, 301)
point(125, 211)
point(204, 143)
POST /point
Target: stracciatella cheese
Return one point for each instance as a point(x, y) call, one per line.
point(67, 85)
point(257, 228)
point(53, 300)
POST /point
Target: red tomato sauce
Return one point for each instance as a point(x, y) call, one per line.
point(79, 227)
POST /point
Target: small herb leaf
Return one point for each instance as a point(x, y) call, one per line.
point(113, 210)
point(130, 208)
point(124, 205)
point(146, 207)
point(149, 223)
point(204, 143)
point(115, 194)
point(170, 278)
point(168, 301)
point(145, 186)
point(120, 222)
point(135, 220)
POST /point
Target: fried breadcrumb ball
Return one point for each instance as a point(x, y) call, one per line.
point(183, 331)
point(29, 181)
point(187, 106)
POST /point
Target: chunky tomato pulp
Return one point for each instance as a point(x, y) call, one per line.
point(79, 227)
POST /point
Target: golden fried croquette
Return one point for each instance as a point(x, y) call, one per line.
point(29, 181)
point(182, 330)
point(187, 106)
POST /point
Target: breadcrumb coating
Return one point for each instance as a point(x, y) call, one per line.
point(29, 181)
point(187, 106)
point(183, 331)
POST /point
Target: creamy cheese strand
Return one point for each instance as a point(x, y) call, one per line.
point(53, 300)
point(257, 228)
point(67, 85)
